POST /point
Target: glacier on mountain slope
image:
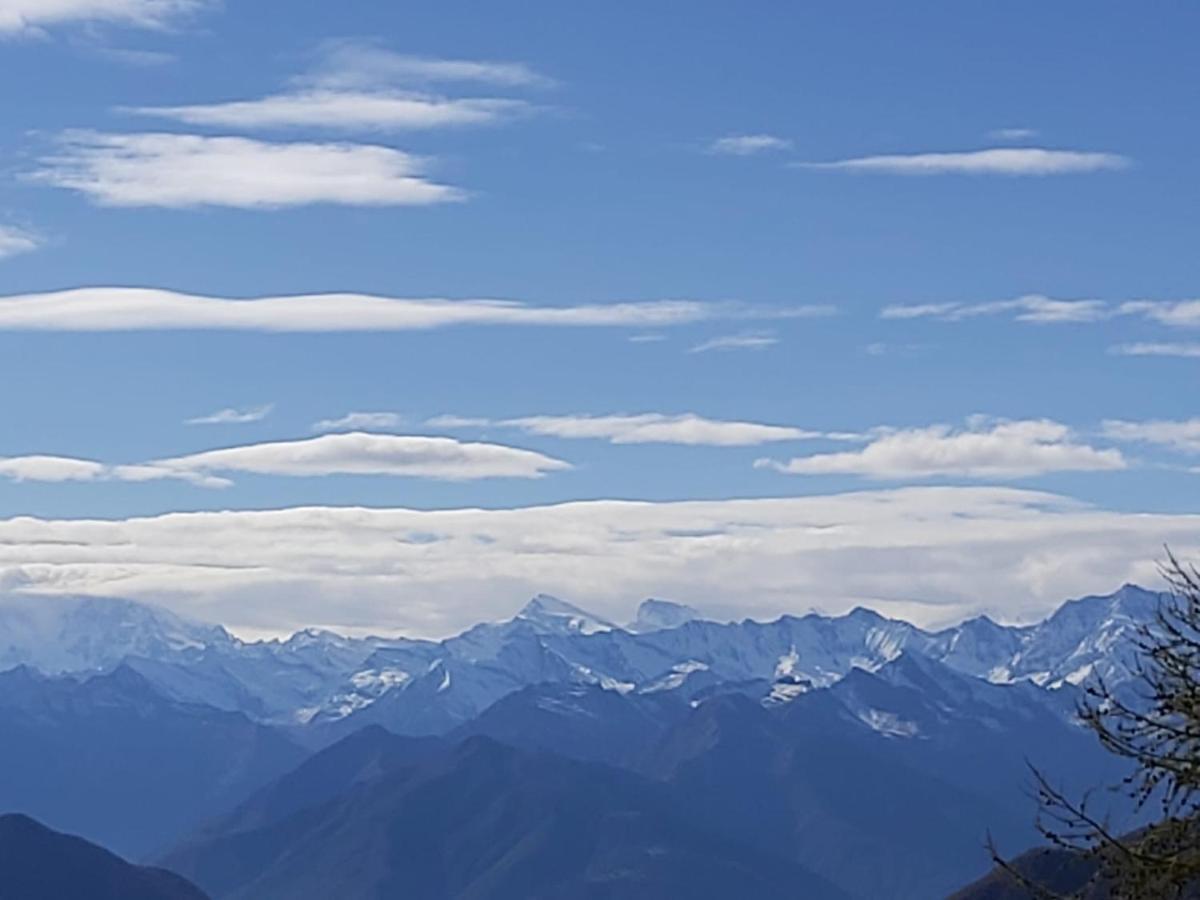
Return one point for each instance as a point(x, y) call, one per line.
point(429, 686)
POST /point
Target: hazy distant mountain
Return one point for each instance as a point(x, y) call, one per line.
point(655, 615)
point(273, 681)
point(110, 758)
point(810, 742)
point(39, 864)
point(909, 767)
point(425, 687)
point(57, 635)
point(488, 821)
point(584, 722)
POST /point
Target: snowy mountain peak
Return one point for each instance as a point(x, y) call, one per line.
point(558, 616)
point(657, 615)
point(60, 635)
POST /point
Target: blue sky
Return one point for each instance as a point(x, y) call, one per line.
point(930, 245)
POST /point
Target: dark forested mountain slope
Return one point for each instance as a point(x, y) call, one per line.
point(490, 822)
point(39, 864)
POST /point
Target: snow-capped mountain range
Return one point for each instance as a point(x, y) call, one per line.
point(428, 687)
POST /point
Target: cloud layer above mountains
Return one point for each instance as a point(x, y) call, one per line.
point(931, 555)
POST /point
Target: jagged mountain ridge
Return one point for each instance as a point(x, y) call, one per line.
point(816, 784)
point(429, 687)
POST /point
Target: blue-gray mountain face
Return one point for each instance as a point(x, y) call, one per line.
point(555, 754)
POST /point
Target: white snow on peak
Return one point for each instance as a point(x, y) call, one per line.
point(675, 679)
point(786, 691)
point(60, 635)
point(888, 723)
point(787, 663)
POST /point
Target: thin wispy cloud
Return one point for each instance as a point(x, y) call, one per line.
point(1013, 161)
point(1030, 308)
point(233, 416)
point(14, 241)
point(346, 110)
point(128, 56)
point(19, 17)
point(1013, 134)
point(748, 144)
point(360, 421)
point(188, 170)
point(1181, 435)
point(148, 309)
point(754, 340)
point(645, 428)
point(983, 449)
point(1176, 313)
point(361, 86)
point(356, 64)
point(1040, 309)
point(1181, 350)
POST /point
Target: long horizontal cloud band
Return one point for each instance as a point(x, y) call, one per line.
point(353, 453)
point(648, 428)
point(148, 309)
point(180, 171)
point(992, 161)
point(933, 555)
point(1042, 310)
point(983, 449)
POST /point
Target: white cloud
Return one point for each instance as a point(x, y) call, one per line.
point(1176, 313)
point(748, 144)
point(1040, 309)
point(359, 453)
point(646, 428)
point(1013, 134)
point(995, 161)
point(932, 554)
point(982, 450)
point(1182, 435)
point(1182, 350)
point(344, 109)
point(753, 340)
point(50, 468)
point(43, 468)
point(15, 240)
point(356, 421)
point(187, 170)
point(353, 453)
point(149, 309)
point(32, 16)
point(231, 416)
point(1030, 308)
point(353, 64)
